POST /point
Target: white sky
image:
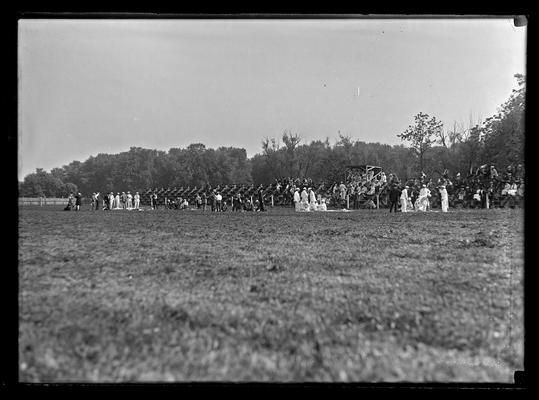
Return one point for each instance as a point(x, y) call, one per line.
point(102, 86)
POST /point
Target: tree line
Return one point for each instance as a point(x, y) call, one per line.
point(431, 148)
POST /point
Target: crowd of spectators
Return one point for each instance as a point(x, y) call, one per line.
point(484, 188)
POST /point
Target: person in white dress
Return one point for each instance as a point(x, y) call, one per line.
point(404, 199)
point(304, 205)
point(312, 200)
point(424, 195)
point(117, 202)
point(322, 206)
point(111, 201)
point(137, 200)
point(297, 200)
point(445, 199)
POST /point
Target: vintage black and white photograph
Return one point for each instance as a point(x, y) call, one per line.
point(281, 200)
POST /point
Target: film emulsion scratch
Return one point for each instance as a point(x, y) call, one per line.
point(281, 200)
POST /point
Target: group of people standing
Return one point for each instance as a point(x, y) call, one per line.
point(217, 203)
point(123, 201)
point(73, 202)
point(307, 200)
point(422, 203)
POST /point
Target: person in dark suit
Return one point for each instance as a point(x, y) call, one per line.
point(78, 201)
point(204, 201)
point(261, 200)
point(394, 195)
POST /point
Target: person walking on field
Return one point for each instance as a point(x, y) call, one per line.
point(297, 199)
point(394, 195)
point(404, 199)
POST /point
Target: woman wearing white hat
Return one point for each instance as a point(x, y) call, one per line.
point(404, 199)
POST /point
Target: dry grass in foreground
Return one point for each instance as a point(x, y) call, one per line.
point(277, 296)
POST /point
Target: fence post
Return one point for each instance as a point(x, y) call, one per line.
point(377, 201)
point(272, 200)
point(347, 201)
point(41, 201)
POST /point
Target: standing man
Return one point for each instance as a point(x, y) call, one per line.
point(236, 205)
point(394, 194)
point(261, 200)
point(342, 190)
point(123, 200)
point(404, 199)
point(137, 200)
point(105, 202)
point(218, 201)
point(212, 200)
point(97, 201)
point(129, 197)
point(204, 201)
point(297, 199)
point(94, 201)
point(155, 201)
point(78, 201)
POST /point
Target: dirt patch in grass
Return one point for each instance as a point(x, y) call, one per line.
point(276, 296)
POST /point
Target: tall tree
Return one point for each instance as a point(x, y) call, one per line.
point(422, 135)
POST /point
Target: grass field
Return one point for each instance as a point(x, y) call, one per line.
point(279, 296)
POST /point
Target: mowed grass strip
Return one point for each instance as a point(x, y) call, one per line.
point(278, 296)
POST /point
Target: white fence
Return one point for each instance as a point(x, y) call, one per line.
point(42, 201)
